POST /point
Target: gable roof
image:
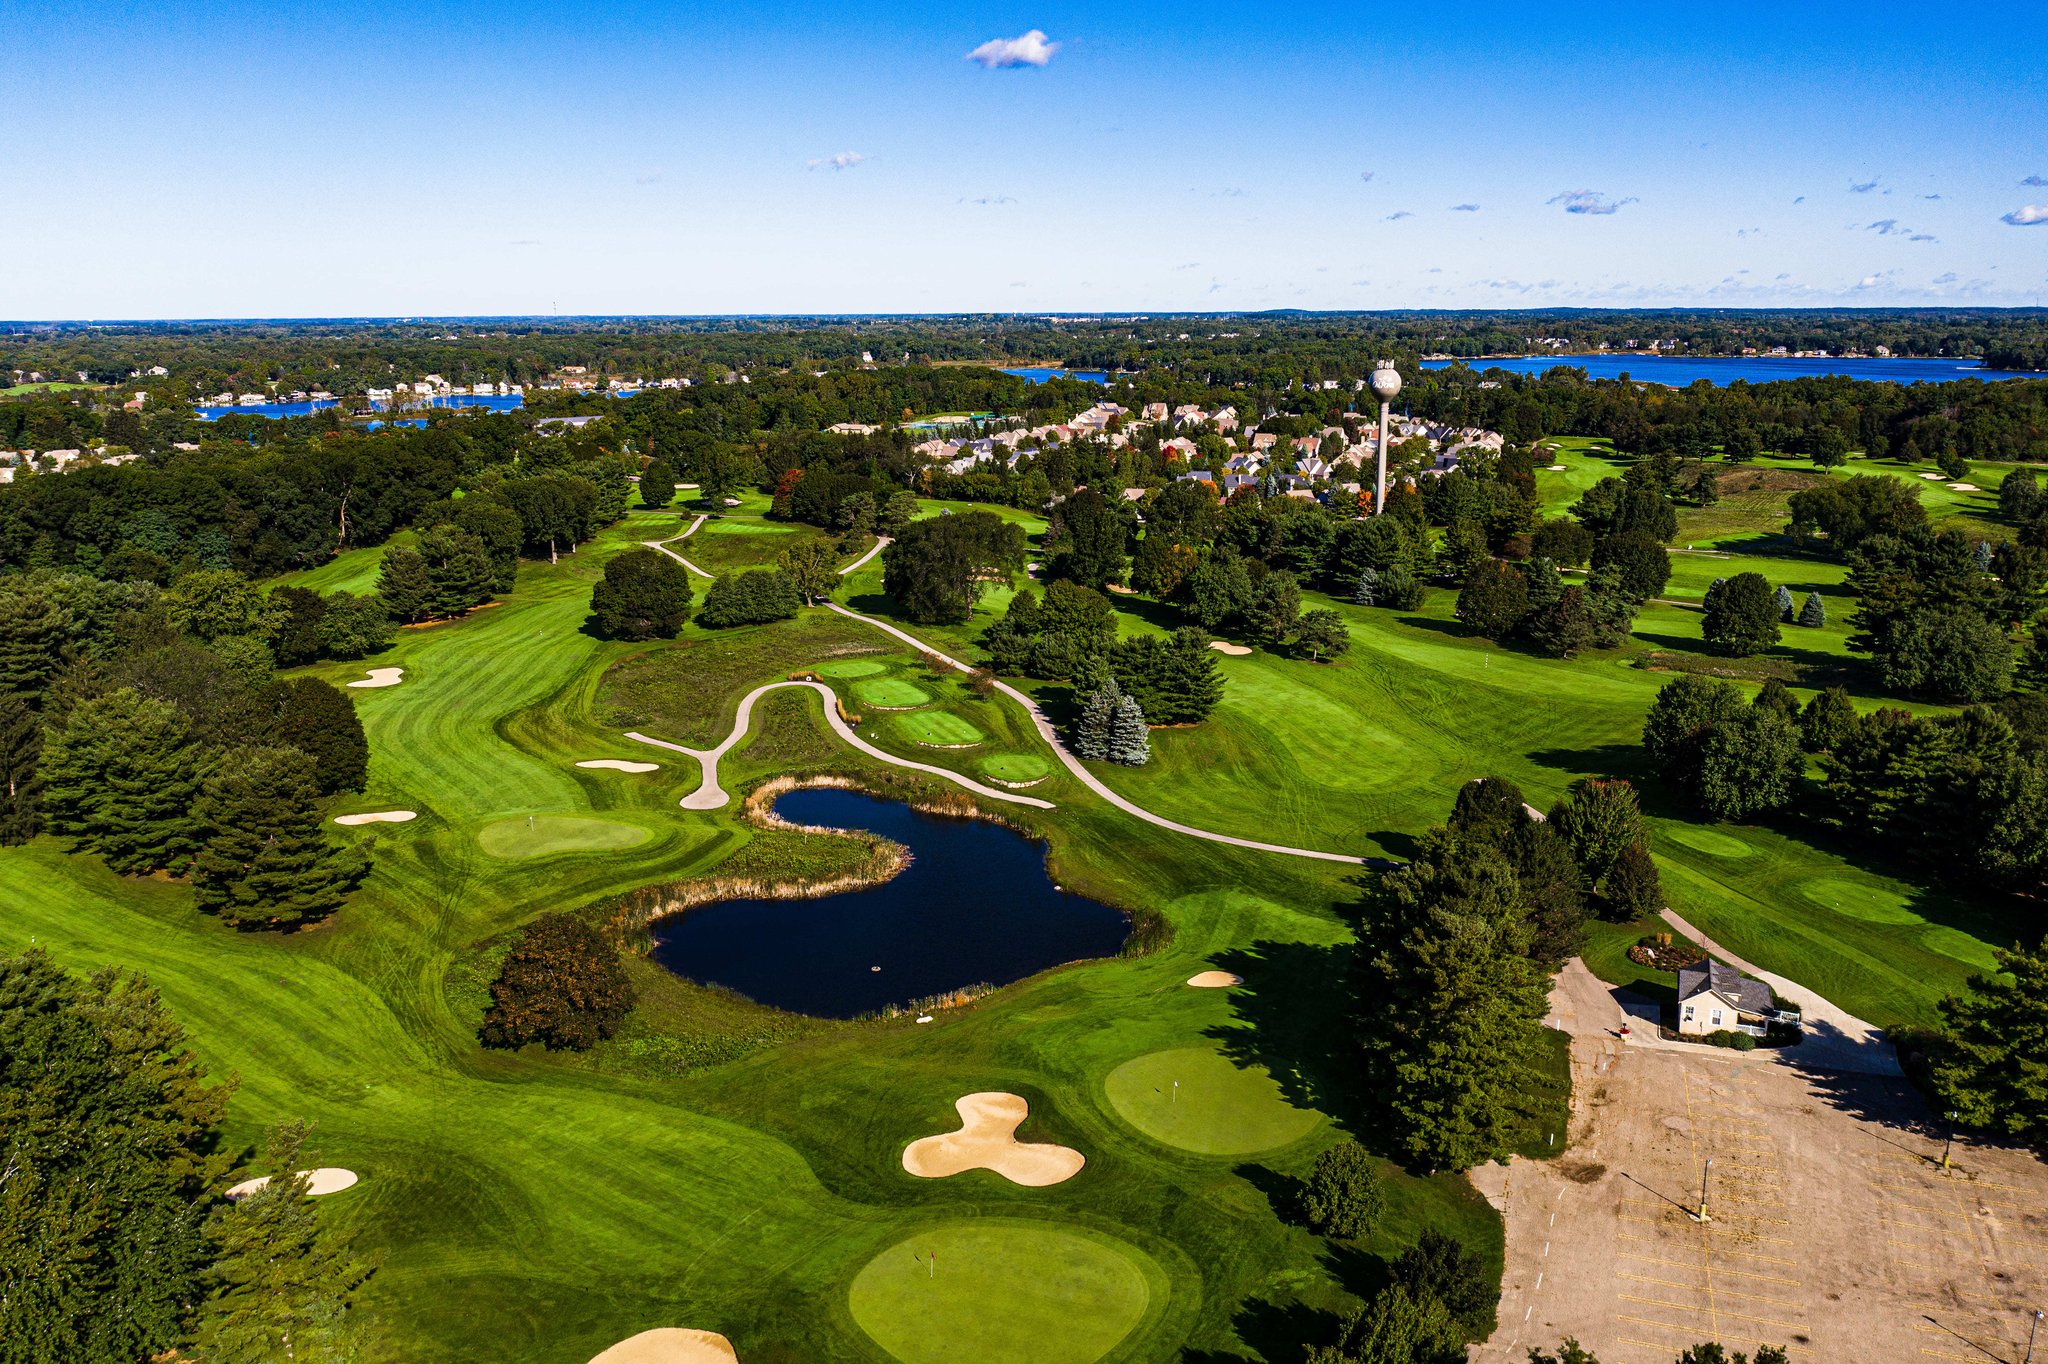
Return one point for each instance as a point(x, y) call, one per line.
point(1750, 996)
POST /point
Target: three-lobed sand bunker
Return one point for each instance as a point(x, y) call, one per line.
point(381, 677)
point(620, 765)
point(325, 1180)
point(671, 1345)
point(377, 817)
point(987, 1140)
point(1215, 980)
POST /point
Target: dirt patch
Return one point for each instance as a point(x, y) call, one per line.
point(1581, 1171)
point(1747, 479)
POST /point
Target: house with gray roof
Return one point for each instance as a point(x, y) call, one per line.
point(1715, 997)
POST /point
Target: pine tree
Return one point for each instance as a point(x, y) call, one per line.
point(1633, 887)
point(1787, 610)
point(1991, 1068)
point(121, 776)
point(459, 570)
point(34, 629)
point(1366, 593)
point(282, 1280)
point(1091, 731)
point(1129, 741)
point(405, 585)
point(1814, 614)
point(318, 719)
point(267, 858)
point(21, 784)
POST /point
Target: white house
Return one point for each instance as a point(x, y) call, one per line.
point(1715, 997)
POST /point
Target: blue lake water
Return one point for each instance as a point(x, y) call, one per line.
point(1038, 374)
point(976, 905)
point(492, 402)
point(1678, 371)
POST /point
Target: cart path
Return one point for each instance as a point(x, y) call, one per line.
point(663, 546)
point(711, 796)
point(1089, 779)
point(881, 542)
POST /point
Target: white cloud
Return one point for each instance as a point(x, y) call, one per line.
point(838, 161)
point(1464, 208)
point(1032, 49)
point(1588, 201)
point(1398, 214)
point(2032, 215)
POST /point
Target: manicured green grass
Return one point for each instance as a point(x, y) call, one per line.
point(938, 727)
point(1015, 766)
point(1004, 1291)
point(891, 693)
point(1196, 1099)
point(545, 835)
point(851, 667)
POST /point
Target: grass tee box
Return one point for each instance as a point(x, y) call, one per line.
point(891, 693)
point(939, 728)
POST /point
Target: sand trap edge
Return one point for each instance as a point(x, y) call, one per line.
point(1234, 650)
point(1215, 980)
point(987, 1140)
point(620, 765)
point(381, 677)
point(670, 1345)
point(327, 1179)
point(378, 817)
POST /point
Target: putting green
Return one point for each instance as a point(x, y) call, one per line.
point(1709, 841)
point(890, 692)
point(939, 727)
point(1219, 1108)
point(1003, 1292)
point(1015, 766)
point(512, 839)
point(850, 667)
point(1858, 900)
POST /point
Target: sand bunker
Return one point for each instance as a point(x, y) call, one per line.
point(382, 677)
point(1234, 650)
point(620, 765)
point(325, 1180)
point(1932, 478)
point(987, 1140)
point(378, 817)
point(671, 1345)
point(1555, 468)
point(1215, 980)
point(1962, 487)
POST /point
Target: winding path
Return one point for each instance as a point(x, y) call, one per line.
point(881, 543)
point(1047, 732)
point(663, 546)
point(711, 796)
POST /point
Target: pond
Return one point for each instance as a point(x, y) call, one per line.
point(975, 906)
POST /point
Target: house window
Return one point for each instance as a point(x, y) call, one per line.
point(1717, 1018)
point(1688, 1013)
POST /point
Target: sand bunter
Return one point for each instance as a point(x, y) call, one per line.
point(987, 1140)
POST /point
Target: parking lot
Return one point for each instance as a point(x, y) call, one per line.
point(1832, 1228)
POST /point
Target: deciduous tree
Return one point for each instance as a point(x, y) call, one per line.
point(643, 594)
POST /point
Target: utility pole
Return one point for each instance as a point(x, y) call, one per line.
point(1949, 1142)
point(1386, 383)
point(1705, 1175)
point(2032, 1332)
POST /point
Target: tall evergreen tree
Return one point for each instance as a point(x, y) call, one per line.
point(1633, 886)
point(318, 719)
point(35, 633)
point(1129, 741)
point(283, 1278)
point(1826, 721)
point(267, 858)
point(121, 777)
point(1450, 1042)
point(1599, 820)
point(1092, 729)
point(459, 570)
point(404, 585)
point(21, 783)
point(108, 1152)
point(1814, 613)
point(1993, 1068)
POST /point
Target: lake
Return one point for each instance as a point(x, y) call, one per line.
point(493, 402)
point(1038, 374)
point(976, 905)
point(1677, 371)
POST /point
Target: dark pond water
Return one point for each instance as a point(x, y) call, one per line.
point(976, 905)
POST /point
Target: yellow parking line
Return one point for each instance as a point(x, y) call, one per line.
point(1728, 1337)
point(1687, 1307)
point(1719, 1269)
point(1663, 1283)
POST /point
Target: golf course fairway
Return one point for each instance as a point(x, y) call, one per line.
point(1004, 1292)
point(1218, 1108)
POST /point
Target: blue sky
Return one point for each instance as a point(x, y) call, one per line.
point(288, 159)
